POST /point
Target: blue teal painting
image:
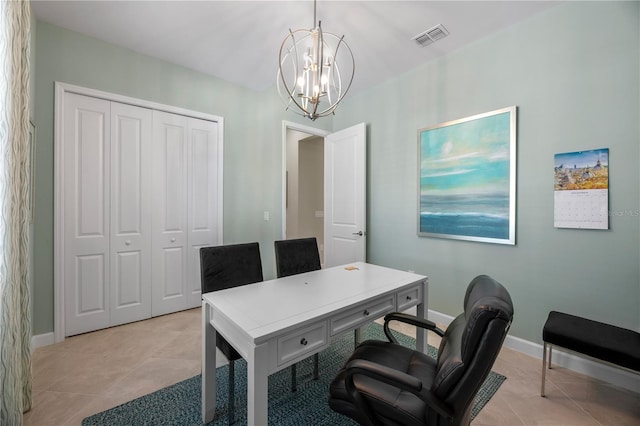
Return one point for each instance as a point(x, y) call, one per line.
point(467, 178)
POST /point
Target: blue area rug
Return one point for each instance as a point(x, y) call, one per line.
point(179, 404)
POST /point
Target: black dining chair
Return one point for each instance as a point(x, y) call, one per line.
point(223, 267)
point(385, 383)
point(293, 257)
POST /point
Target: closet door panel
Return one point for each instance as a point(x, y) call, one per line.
point(86, 213)
point(131, 138)
point(127, 286)
point(205, 182)
point(169, 218)
point(173, 263)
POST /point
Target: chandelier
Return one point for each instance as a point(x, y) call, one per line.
point(310, 76)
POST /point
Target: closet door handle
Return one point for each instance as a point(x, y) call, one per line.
point(173, 240)
point(127, 243)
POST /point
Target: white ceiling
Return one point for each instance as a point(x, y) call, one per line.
point(239, 41)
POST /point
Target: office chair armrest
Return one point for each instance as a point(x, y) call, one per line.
point(381, 373)
point(391, 377)
point(408, 319)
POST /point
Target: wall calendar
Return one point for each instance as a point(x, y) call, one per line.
point(581, 189)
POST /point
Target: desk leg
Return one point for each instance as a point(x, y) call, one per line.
point(258, 386)
point(208, 366)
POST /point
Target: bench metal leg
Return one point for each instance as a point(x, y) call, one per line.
point(545, 364)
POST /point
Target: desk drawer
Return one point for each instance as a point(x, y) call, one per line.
point(300, 342)
point(409, 298)
point(362, 314)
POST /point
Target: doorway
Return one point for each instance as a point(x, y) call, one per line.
point(338, 203)
point(304, 184)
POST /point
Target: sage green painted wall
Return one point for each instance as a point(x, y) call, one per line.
point(252, 139)
point(577, 88)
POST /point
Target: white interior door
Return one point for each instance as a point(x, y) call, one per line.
point(130, 256)
point(86, 213)
point(345, 196)
point(169, 242)
point(205, 199)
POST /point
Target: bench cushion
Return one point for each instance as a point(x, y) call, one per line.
point(599, 340)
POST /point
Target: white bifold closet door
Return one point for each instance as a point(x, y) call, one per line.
point(131, 146)
point(140, 199)
point(106, 208)
point(185, 207)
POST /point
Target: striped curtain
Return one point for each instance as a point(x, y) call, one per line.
point(15, 305)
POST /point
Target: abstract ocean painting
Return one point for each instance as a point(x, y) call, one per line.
point(467, 178)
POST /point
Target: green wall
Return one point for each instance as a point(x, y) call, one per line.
point(252, 139)
point(576, 88)
point(573, 71)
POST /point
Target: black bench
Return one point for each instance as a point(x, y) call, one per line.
point(606, 342)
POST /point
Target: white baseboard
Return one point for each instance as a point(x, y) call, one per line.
point(583, 364)
point(439, 318)
point(40, 340)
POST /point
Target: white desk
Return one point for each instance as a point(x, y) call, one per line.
point(274, 324)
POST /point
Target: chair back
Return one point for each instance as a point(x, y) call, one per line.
point(227, 266)
point(296, 256)
point(471, 344)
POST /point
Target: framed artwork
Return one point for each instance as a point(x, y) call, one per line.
point(467, 178)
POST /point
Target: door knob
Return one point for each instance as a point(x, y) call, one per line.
point(127, 243)
point(358, 233)
point(173, 240)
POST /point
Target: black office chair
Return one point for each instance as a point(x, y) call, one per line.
point(223, 267)
point(384, 383)
point(295, 257)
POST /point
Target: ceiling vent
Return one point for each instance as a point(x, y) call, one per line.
point(431, 35)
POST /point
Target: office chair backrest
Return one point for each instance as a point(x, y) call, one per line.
point(229, 266)
point(296, 256)
point(472, 342)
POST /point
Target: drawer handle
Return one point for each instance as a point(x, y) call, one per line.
point(303, 342)
point(366, 313)
point(408, 297)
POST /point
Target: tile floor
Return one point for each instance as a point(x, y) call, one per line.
point(90, 373)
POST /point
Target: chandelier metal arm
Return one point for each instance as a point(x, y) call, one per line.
point(291, 90)
point(295, 66)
